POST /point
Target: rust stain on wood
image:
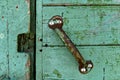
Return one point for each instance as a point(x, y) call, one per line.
point(28, 1)
point(28, 76)
point(28, 63)
point(28, 69)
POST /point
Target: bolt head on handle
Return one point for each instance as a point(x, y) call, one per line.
point(85, 68)
point(55, 22)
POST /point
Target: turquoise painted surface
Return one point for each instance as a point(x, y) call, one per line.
point(84, 25)
point(90, 26)
point(94, 30)
point(39, 39)
point(3, 39)
point(59, 64)
point(14, 20)
point(82, 1)
point(18, 22)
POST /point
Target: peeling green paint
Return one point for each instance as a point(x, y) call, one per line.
point(67, 12)
point(106, 62)
point(115, 41)
point(66, 21)
point(79, 35)
point(57, 73)
point(113, 30)
point(46, 75)
point(102, 14)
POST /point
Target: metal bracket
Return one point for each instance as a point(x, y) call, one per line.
point(26, 42)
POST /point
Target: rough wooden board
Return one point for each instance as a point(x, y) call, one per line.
point(84, 25)
point(98, 25)
point(3, 39)
point(59, 64)
point(82, 1)
point(18, 22)
point(39, 39)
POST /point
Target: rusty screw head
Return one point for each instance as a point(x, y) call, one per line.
point(55, 22)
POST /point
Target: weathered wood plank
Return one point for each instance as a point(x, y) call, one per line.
point(39, 39)
point(84, 25)
point(3, 40)
point(59, 64)
point(81, 1)
point(18, 22)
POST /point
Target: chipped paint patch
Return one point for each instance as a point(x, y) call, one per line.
point(46, 75)
point(28, 63)
point(2, 35)
point(28, 2)
point(28, 69)
point(114, 30)
point(28, 76)
point(115, 41)
point(66, 21)
point(57, 73)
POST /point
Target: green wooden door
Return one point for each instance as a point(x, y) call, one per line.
point(93, 25)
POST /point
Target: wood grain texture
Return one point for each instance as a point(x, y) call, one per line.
point(39, 39)
point(81, 1)
point(18, 22)
point(84, 25)
point(59, 64)
point(3, 39)
point(95, 32)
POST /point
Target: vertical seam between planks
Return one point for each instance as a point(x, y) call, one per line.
point(42, 38)
point(33, 30)
point(39, 34)
point(7, 24)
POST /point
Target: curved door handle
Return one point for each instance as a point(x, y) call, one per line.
point(56, 23)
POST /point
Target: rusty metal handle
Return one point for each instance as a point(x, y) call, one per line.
point(56, 23)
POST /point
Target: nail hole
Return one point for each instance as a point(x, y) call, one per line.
point(41, 40)
point(46, 45)
point(25, 55)
point(16, 6)
point(40, 50)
